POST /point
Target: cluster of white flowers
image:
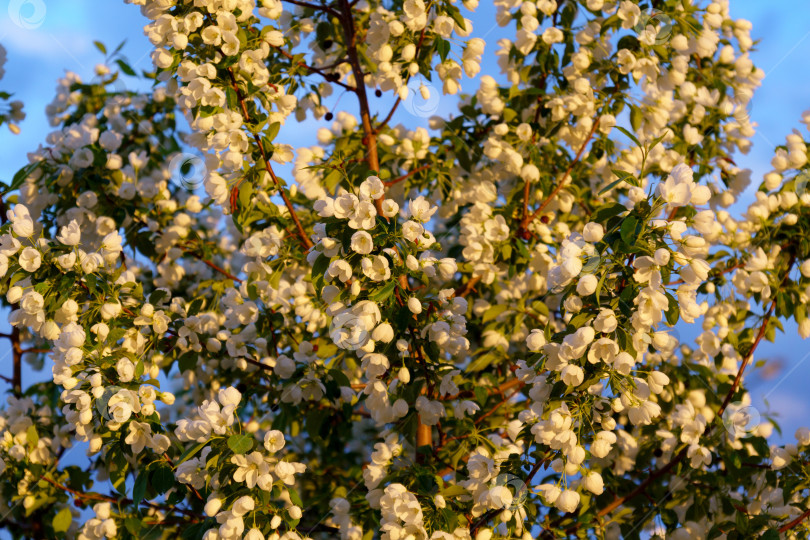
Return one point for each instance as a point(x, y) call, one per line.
point(428, 312)
point(101, 526)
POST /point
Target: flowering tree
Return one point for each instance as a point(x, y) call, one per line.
point(470, 331)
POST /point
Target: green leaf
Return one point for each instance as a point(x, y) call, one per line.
point(139, 370)
point(481, 362)
point(673, 311)
point(272, 130)
point(339, 377)
point(606, 212)
point(509, 115)
point(770, 534)
point(493, 312)
point(133, 525)
point(32, 435)
point(240, 444)
point(626, 177)
point(332, 179)
point(100, 46)
point(118, 475)
point(610, 186)
point(156, 297)
point(231, 98)
point(62, 520)
point(383, 293)
point(443, 48)
point(454, 491)
point(455, 14)
point(628, 230)
point(126, 68)
point(741, 520)
point(187, 361)
point(294, 497)
point(22, 174)
point(162, 478)
point(119, 47)
point(320, 265)
point(629, 135)
point(195, 306)
point(635, 119)
point(190, 453)
point(139, 489)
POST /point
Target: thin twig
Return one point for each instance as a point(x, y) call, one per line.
point(406, 176)
point(315, 7)
point(525, 222)
point(304, 238)
point(215, 267)
point(331, 77)
point(795, 523)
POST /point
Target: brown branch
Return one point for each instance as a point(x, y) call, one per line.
point(14, 337)
point(618, 501)
point(214, 266)
point(760, 335)
point(527, 220)
point(79, 494)
point(465, 289)
point(331, 77)
point(424, 433)
point(795, 523)
point(508, 385)
point(406, 176)
point(259, 364)
point(496, 407)
point(16, 350)
point(350, 33)
point(107, 498)
point(388, 116)
point(315, 7)
point(34, 350)
point(304, 238)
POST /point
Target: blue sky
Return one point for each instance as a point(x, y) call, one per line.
point(62, 34)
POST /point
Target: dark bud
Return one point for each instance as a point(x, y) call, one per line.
point(242, 387)
point(329, 116)
point(327, 44)
point(544, 219)
point(378, 92)
point(658, 452)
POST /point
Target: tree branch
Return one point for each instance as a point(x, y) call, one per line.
point(331, 77)
point(304, 238)
point(465, 289)
point(528, 219)
point(760, 335)
point(14, 337)
point(214, 266)
point(314, 7)
point(406, 176)
point(618, 501)
point(349, 31)
point(795, 523)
